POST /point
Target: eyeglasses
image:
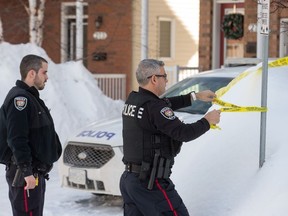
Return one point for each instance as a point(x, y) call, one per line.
point(158, 75)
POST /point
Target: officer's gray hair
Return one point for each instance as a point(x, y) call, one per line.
point(146, 68)
point(30, 62)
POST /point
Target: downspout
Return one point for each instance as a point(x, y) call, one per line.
point(144, 29)
point(216, 35)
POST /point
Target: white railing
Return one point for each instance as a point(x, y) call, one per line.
point(184, 72)
point(112, 85)
point(177, 73)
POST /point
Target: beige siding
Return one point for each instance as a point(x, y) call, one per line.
point(185, 17)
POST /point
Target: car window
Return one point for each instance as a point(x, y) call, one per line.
point(197, 84)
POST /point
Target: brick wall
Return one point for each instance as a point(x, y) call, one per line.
point(14, 22)
point(205, 35)
point(250, 38)
point(117, 23)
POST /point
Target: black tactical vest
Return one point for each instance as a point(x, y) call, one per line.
point(140, 143)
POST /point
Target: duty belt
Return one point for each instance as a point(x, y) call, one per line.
point(134, 168)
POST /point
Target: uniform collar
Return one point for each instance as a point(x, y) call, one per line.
point(145, 91)
point(23, 85)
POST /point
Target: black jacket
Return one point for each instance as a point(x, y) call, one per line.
point(145, 115)
point(29, 127)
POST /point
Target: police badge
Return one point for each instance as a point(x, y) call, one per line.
point(168, 113)
point(20, 103)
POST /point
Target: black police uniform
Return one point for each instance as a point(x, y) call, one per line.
point(152, 137)
point(28, 143)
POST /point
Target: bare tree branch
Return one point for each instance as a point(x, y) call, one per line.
point(40, 20)
point(1, 32)
point(25, 6)
point(32, 21)
point(36, 17)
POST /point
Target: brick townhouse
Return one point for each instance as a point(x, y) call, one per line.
point(177, 36)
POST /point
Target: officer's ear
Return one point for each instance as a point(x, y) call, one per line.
point(153, 79)
point(31, 74)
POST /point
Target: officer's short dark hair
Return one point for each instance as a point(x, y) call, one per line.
point(146, 68)
point(30, 62)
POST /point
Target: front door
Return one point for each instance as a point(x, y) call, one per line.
point(231, 48)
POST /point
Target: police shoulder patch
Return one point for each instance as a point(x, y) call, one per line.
point(20, 103)
point(168, 113)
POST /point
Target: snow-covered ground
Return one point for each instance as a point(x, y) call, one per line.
point(66, 202)
point(217, 175)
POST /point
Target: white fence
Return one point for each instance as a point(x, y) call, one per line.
point(114, 85)
point(177, 73)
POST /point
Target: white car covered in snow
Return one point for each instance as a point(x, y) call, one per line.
point(92, 157)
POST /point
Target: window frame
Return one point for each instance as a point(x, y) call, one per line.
point(68, 21)
point(172, 38)
point(283, 38)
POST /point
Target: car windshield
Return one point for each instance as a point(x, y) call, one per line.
point(197, 84)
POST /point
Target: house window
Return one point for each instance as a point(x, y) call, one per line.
point(165, 38)
point(68, 31)
point(283, 38)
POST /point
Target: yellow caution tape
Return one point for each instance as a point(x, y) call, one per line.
point(213, 126)
point(220, 92)
point(37, 181)
point(277, 63)
point(243, 109)
point(229, 107)
point(223, 103)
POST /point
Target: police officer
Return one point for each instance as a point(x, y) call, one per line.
point(29, 144)
point(152, 137)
